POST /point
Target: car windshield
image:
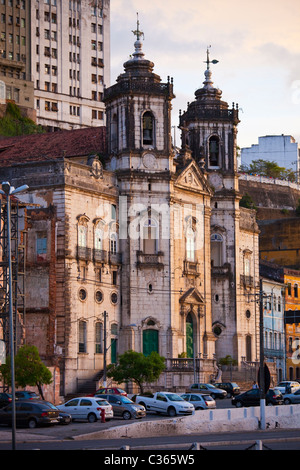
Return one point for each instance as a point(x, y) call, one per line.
point(125, 400)
point(234, 384)
point(210, 386)
point(47, 403)
point(174, 397)
point(102, 402)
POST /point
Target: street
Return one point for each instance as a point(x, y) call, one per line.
point(61, 437)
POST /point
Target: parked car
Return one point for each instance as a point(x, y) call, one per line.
point(292, 398)
point(26, 395)
point(30, 413)
point(110, 391)
point(87, 408)
point(166, 403)
point(123, 406)
point(252, 398)
point(288, 386)
point(5, 399)
point(231, 388)
point(208, 389)
point(64, 418)
point(200, 401)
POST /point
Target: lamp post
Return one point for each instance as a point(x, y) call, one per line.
point(9, 191)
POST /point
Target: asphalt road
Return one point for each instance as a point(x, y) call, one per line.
point(63, 438)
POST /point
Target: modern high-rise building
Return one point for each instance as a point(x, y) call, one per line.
point(63, 49)
point(70, 61)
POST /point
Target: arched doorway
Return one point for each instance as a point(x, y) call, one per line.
point(248, 349)
point(150, 341)
point(189, 336)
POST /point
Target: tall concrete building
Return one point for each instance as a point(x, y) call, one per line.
point(70, 52)
point(55, 59)
point(15, 54)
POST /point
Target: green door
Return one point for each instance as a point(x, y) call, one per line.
point(150, 341)
point(113, 350)
point(189, 336)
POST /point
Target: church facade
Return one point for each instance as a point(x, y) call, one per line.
point(145, 247)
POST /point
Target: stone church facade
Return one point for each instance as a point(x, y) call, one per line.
point(145, 246)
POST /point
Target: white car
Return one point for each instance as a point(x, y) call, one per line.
point(282, 386)
point(87, 408)
point(200, 401)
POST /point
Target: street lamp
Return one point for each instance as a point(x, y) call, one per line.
point(8, 191)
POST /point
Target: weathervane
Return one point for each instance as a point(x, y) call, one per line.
point(207, 61)
point(137, 32)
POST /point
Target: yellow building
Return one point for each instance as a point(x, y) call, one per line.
point(292, 321)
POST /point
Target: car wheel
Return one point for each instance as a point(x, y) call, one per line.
point(239, 404)
point(32, 423)
point(287, 401)
point(126, 415)
point(92, 418)
point(171, 412)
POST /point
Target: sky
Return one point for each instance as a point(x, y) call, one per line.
point(257, 44)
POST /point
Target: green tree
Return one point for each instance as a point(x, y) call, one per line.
point(29, 369)
point(247, 202)
point(135, 367)
point(270, 169)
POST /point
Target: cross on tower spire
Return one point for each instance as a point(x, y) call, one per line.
point(207, 59)
point(137, 32)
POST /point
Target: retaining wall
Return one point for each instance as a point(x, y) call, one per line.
point(223, 420)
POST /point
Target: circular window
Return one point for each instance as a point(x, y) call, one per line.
point(82, 294)
point(217, 330)
point(114, 298)
point(99, 296)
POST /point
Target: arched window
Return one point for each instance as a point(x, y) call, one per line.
point(190, 244)
point(296, 291)
point(150, 236)
point(114, 133)
point(148, 128)
point(82, 235)
point(82, 337)
point(98, 235)
point(214, 149)
point(189, 336)
point(98, 337)
point(216, 249)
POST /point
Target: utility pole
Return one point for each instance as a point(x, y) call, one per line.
point(104, 350)
point(261, 359)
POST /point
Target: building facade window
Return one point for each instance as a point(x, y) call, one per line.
point(82, 346)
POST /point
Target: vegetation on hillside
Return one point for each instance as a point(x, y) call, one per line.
point(13, 123)
point(270, 169)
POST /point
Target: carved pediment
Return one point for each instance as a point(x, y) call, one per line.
point(192, 178)
point(192, 296)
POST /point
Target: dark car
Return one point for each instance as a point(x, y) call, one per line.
point(252, 398)
point(231, 388)
point(110, 391)
point(207, 389)
point(124, 407)
point(26, 395)
point(30, 413)
point(5, 399)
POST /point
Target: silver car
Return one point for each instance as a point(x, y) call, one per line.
point(124, 407)
point(293, 398)
point(200, 401)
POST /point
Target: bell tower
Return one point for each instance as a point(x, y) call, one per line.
point(138, 111)
point(212, 131)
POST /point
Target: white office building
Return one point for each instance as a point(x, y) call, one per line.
point(70, 57)
point(283, 149)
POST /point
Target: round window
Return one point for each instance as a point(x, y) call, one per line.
point(98, 296)
point(114, 298)
point(82, 294)
point(217, 330)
